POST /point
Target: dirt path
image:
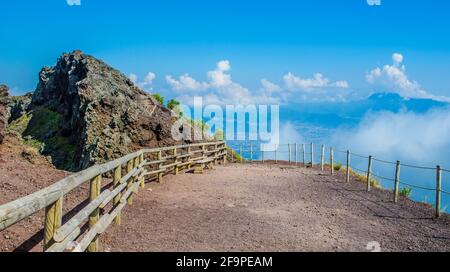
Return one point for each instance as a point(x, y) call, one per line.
point(272, 208)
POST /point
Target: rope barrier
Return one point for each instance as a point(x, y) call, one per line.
point(360, 156)
point(383, 161)
point(418, 167)
point(416, 186)
point(381, 177)
point(359, 170)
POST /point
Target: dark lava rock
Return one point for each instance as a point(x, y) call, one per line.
point(18, 106)
point(85, 112)
point(4, 93)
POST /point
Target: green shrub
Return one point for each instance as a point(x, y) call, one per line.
point(337, 167)
point(159, 98)
point(172, 104)
point(405, 192)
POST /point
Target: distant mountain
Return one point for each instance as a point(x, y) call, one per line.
point(394, 102)
point(337, 114)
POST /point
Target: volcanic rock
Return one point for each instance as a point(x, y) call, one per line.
point(85, 112)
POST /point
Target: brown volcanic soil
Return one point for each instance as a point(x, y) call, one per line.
point(22, 172)
point(237, 207)
point(272, 208)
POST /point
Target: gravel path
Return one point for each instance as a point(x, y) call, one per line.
point(272, 208)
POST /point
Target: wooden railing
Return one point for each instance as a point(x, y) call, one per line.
point(128, 174)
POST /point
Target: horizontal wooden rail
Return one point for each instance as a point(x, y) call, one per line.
point(138, 166)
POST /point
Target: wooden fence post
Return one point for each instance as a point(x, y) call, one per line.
point(53, 221)
point(312, 155)
point(215, 154)
point(94, 192)
point(347, 174)
point(136, 165)
point(369, 173)
point(438, 190)
point(296, 154)
point(189, 150)
point(116, 183)
point(322, 158)
point(160, 174)
point(332, 160)
point(289, 151)
point(141, 160)
point(304, 154)
point(175, 169)
point(396, 181)
point(276, 157)
point(130, 166)
point(240, 153)
point(225, 160)
point(262, 152)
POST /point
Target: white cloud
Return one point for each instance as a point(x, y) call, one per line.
point(186, 83)
point(342, 84)
point(393, 78)
point(73, 2)
point(223, 65)
point(318, 81)
point(397, 58)
point(219, 86)
point(146, 84)
point(406, 136)
point(133, 78)
point(149, 78)
point(270, 87)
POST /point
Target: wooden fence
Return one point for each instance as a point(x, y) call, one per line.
point(307, 160)
point(128, 175)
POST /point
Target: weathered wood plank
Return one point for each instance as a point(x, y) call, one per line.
point(62, 246)
point(81, 216)
point(94, 192)
point(53, 220)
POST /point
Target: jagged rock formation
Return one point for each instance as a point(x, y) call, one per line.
point(18, 106)
point(3, 111)
point(85, 112)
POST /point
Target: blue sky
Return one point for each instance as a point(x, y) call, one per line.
point(343, 40)
point(287, 52)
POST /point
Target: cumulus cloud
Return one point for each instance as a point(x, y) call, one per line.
point(219, 88)
point(133, 78)
point(73, 2)
point(393, 78)
point(270, 87)
point(406, 135)
point(146, 84)
point(186, 83)
point(318, 81)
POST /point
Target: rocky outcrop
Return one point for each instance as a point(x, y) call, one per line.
point(18, 106)
point(84, 112)
point(4, 93)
